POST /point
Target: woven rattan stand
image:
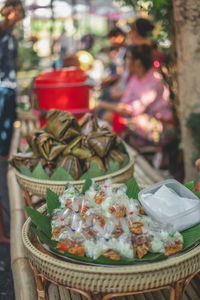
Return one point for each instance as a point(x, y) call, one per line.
point(174, 273)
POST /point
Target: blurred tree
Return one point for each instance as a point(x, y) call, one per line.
point(187, 27)
point(27, 57)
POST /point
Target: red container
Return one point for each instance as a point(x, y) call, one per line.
point(64, 89)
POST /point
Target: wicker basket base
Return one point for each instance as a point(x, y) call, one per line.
point(38, 187)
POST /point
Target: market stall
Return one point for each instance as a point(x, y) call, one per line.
point(159, 275)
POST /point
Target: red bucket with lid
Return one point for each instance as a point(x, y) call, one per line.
point(64, 89)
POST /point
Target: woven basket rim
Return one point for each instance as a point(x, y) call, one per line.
point(80, 182)
point(122, 269)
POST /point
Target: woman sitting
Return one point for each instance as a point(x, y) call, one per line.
point(145, 102)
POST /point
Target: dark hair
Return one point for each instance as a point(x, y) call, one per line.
point(144, 26)
point(143, 53)
point(115, 32)
point(15, 3)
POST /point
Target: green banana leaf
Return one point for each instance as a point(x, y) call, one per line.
point(191, 236)
point(61, 174)
point(41, 221)
point(126, 161)
point(52, 201)
point(191, 185)
point(25, 170)
point(92, 172)
point(39, 172)
point(132, 189)
point(112, 167)
point(86, 186)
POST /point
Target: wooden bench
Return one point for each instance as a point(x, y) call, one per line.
point(24, 282)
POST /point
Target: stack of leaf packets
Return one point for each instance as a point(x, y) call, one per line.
point(67, 149)
point(106, 225)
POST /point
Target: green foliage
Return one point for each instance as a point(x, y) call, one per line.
point(191, 186)
point(132, 189)
point(92, 172)
point(160, 10)
point(191, 236)
point(52, 201)
point(193, 123)
point(112, 167)
point(39, 172)
point(40, 220)
point(25, 170)
point(61, 174)
point(87, 185)
point(27, 57)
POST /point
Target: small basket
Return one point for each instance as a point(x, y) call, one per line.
point(38, 187)
point(109, 279)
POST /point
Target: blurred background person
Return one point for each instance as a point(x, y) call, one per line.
point(87, 42)
point(145, 101)
point(13, 13)
point(67, 47)
point(113, 85)
point(141, 34)
point(117, 52)
point(141, 30)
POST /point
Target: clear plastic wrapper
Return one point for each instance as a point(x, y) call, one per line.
point(105, 222)
point(171, 203)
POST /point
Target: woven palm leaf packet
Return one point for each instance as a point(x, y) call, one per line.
point(74, 149)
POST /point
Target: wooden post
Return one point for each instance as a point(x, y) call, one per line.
point(187, 27)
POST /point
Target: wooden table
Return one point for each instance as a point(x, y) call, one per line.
point(25, 286)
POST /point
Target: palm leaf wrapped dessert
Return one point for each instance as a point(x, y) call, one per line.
point(74, 149)
point(62, 125)
point(107, 225)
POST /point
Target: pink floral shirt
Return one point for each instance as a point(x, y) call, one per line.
point(148, 95)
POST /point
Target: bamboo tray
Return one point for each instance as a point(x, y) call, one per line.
point(120, 279)
point(38, 187)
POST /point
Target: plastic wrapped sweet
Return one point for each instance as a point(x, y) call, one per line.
point(62, 125)
point(105, 222)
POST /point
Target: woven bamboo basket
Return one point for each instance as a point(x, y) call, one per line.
point(109, 279)
point(38, 187)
